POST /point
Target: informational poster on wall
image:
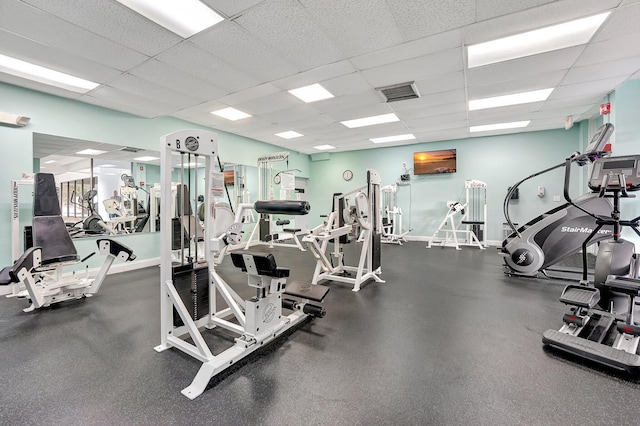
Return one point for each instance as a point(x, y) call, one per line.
point(287, 185)
point(216, 183)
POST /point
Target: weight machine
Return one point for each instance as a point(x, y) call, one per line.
point(393, 231)
point(343, 220)
point(189, 302)
point(472, 223)
point(37, 274)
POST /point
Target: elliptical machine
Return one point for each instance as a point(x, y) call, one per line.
point(558, 233)
point(603, 324)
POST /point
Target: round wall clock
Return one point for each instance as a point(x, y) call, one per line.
point(347, 175)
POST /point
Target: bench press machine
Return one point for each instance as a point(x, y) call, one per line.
point(189, 302)
point(37, 274)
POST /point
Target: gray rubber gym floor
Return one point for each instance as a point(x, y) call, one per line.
point(447, 340)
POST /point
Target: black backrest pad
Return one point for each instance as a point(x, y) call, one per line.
point(266, 264)
point(50, 233)
point(45, 197)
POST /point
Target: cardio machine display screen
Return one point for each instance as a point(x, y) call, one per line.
point(622, 164)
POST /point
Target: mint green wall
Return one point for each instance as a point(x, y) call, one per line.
point(626, 119)
point(64, 117)
point(499, 161)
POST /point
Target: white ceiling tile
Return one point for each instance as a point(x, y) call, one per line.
point(590, 88)
point(194, 61)
point(548, 14)
point(34, 24)
point(316, 75)
point(492, 8)
point(240, 49)
point(135, 85)
point(441, 83)
point(623, 21)
point(415, 69)
point(622, 67)
point(568, 103)
point(524, 67)
point(34, 85)
point(357, 26)
point(347, 102)
point(112, 21)
point(432, 108)
point(610, 50)
point(247, 95)
point(167, 76)
point(306, 125)
point(231, 8)
point(299, 112)
point(412, 49)
point(148, 107)
point(504, 114)
point(347, 84)
point(535, 82)
point(360, 112)
point(438, 120)
point(30, 51)
point(269, 103)
point(104, 102)
point(417, 19)
point(302, 42)
point(426, 125)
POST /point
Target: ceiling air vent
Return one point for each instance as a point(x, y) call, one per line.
point(130, 149)
point(399, 92)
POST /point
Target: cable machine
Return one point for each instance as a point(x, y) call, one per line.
point(190, 287)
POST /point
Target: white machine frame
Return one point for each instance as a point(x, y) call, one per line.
point(365, 213)
point(393, 231)
point(258, 320)
point(472, 213)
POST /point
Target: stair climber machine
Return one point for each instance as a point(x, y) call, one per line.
point(560, 232)
point(196, 300)
point(603, 324)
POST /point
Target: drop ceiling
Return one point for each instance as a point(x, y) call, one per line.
point(265, 48)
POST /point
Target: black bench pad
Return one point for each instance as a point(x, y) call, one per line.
point(309, 291)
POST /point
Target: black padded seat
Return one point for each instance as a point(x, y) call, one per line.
point(265, 264)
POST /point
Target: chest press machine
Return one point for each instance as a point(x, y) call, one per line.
point(189, 302)
point(37, 274)
point(343, 220)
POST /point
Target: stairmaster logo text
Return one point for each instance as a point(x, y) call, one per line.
point(582, 230)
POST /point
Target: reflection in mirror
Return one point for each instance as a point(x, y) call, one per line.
point(103, 188)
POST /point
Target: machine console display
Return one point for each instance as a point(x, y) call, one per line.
point(596, 147)
point(607, 171)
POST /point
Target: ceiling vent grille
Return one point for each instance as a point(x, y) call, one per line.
point(130, 149)
point(399, 92)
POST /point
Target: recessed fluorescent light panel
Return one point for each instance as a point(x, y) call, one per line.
point(370, 121)
point(44, 75)
point(289, 134)
point(312, 93)
point(90, 152)
point(184, 17)
point(499, 126)
point(393, 138)
point(50, 161)
point(546, 39)
point(513, 99)
point(324, 147)
point(145, 158)
point(231, 114)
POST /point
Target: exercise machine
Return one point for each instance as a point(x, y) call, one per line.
point(603, 324)
point(393, 231)
point(190, 289)
point(345, 219)
point(37, 274)
point(558, 233)
point(470, 229)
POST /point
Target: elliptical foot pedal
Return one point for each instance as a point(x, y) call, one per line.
point(309, 291)
point(581, 296)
